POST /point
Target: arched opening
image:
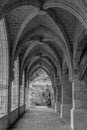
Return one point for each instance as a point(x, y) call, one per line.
point(40, 90)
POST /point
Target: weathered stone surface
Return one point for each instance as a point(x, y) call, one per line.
point(41, 120)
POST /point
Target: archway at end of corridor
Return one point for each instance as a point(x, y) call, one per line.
point(40, 91)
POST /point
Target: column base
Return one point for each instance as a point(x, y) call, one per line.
point(65, 112)
point(79, 119)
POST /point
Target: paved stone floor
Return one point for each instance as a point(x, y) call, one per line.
point(40, 119)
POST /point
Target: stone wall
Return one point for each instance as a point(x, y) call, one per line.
point(5, 122)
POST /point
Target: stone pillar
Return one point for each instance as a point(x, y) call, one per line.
point(19, 93)
point(66, 99)
point(56, 102)
point(11, 78)
point(58, 98)
point(19, 97)
point(9, 102)
point(79, 110)
point(52, 97)
point(25, 85)
point(55, 95)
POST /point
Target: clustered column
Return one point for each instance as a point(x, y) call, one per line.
point(66, 99)
point(58, 98)
point(79, 110)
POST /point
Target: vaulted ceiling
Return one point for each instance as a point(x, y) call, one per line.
point(44, 33)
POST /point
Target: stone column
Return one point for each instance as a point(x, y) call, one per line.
point(58, 98)
point(11, 78)
point(79, 110)
point(19, 93)
point(19, 97)
point(9, 102)
point(52, 98)
point(25, 85)
point(66, 99)
point(55, 102)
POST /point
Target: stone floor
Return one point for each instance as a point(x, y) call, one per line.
point(40, 119)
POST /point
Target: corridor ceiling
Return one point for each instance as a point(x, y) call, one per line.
point(44, 33)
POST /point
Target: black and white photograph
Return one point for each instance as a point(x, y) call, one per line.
point(43, 64)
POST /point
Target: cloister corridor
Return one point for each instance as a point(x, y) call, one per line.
point(40, 119)
point(48, 35)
